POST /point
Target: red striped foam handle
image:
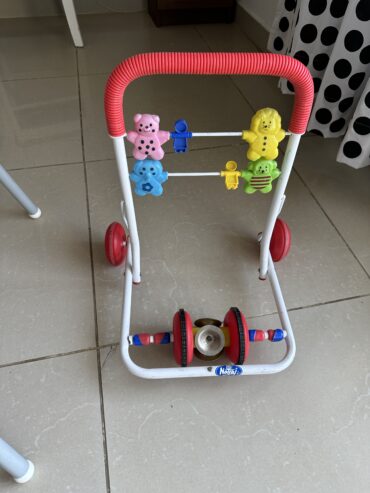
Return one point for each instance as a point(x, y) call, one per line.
point(208, 64)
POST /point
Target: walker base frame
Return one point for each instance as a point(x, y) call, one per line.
point(201, 63)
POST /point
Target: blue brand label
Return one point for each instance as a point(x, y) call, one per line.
point(229, 371)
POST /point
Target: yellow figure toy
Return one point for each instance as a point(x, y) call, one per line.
point(264, 135)
point(231, 175)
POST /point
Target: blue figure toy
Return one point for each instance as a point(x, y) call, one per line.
point(148, 176)
point(180, 136)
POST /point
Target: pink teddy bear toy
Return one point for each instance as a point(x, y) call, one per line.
point(147, 138)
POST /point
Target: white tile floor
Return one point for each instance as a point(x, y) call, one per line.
point(66, 401)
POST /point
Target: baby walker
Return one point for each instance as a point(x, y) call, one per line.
point(206, 338)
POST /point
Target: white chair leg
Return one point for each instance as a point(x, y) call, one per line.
point(14, 189)
point(70, 12)
point(15, 464)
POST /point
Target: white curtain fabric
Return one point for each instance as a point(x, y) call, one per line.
point(332, 38)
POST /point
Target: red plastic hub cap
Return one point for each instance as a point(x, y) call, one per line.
point(115, 244)
point(239, 336)
point(280, 241)
point(183, 340)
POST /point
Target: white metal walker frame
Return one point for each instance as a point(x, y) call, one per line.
point(206, 63)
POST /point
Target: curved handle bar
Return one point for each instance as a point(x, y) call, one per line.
point(208, 64)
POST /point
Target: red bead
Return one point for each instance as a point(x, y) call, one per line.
point(144, 339)
point(260, 335)
point(158, 338)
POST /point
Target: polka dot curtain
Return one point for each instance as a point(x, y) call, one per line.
point(332, 38)
point(355, 148)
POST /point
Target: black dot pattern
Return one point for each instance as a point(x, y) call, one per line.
point(332, 39)
point(365, 55)
point(290, 5)
point(317, 7)
point(329, 35)
point(284, 24)
point(362, 125)
point(353, 40)
point(352, 149)
point(302, 56)
point(367, 100)
point(337, 125)
point(332, 93)
point(280, 40)
point(338, 8)
point(345, 104)
point(363, 10)
point(278, 43)
point(342, 68)
point(355, 147)
point(356, 80)
point(308, 33)
point(320, 61)
point(323, 115)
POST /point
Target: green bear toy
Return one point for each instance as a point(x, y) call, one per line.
point(259, 175)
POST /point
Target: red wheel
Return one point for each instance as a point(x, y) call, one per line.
point(280, 241)
point(115, 244)
point(239, 336)
point(183, 340)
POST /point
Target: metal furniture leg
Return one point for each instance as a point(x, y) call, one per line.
point(33, 211)
point(70, 11)
point(15, 464)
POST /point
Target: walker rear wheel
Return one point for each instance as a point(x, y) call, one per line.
point(183, 340)
point(115, 244)
point(239, 336)
point(280, 241)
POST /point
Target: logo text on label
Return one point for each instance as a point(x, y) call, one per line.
point(228, 370)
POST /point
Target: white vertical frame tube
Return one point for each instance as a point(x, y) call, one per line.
point(120, 153)
point(277, 201)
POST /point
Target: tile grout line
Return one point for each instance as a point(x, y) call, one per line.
point(49, 356)
point(331, 302)
point(100, 380)
point(315, 305)
point(331, 221)
point(40, 166)
point(56, 355)
point(42, 78)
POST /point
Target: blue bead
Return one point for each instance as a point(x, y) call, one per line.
point(136, 340)
point(252, 335)
point(166, 339)
point(278, 335)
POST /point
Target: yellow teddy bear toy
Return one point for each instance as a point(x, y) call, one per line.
point(264, 135)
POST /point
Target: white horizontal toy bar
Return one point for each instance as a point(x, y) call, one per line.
point(221, 134)
point(216, 134)
point(213, 173)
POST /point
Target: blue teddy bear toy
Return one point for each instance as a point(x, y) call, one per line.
point(148, 176)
